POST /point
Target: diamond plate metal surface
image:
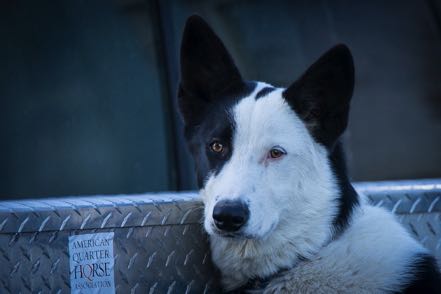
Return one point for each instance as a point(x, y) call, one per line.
point(159, 243)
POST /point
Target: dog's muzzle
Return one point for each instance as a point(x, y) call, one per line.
point(230, 215)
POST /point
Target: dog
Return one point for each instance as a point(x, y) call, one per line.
point(280, 211)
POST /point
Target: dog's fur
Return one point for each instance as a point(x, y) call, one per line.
point(308, 231)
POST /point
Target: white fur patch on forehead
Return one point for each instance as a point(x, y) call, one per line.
point(268, 121)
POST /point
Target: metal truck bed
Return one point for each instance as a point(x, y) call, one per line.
point(157, 243)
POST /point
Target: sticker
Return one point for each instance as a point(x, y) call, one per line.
point(91, 263)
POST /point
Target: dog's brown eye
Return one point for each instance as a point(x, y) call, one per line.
point(276, 152)
point(217, 147)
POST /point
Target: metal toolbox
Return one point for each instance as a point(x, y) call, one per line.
point(158, 241)
point(159, 245)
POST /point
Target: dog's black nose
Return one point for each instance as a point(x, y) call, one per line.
point(230, 215)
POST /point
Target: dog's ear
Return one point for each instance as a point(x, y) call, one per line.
point(207, 69)
point(321, 96)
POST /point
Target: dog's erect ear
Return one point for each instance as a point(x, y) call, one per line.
point(207, 69)
point(321, 96)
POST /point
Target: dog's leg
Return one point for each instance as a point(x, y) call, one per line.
point(312, 278)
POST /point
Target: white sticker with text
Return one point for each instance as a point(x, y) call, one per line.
point(91, 263)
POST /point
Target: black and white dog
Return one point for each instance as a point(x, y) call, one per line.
point(280, 211)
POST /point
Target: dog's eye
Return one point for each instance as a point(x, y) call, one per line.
point(217, 147)
point(276, 152)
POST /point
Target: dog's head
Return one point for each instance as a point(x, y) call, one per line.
point(262, 152)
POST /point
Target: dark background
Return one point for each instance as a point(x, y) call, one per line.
point(87, 88)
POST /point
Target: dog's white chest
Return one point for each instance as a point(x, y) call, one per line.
point(370, 257)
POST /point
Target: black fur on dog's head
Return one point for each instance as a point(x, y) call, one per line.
point(211, 85)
